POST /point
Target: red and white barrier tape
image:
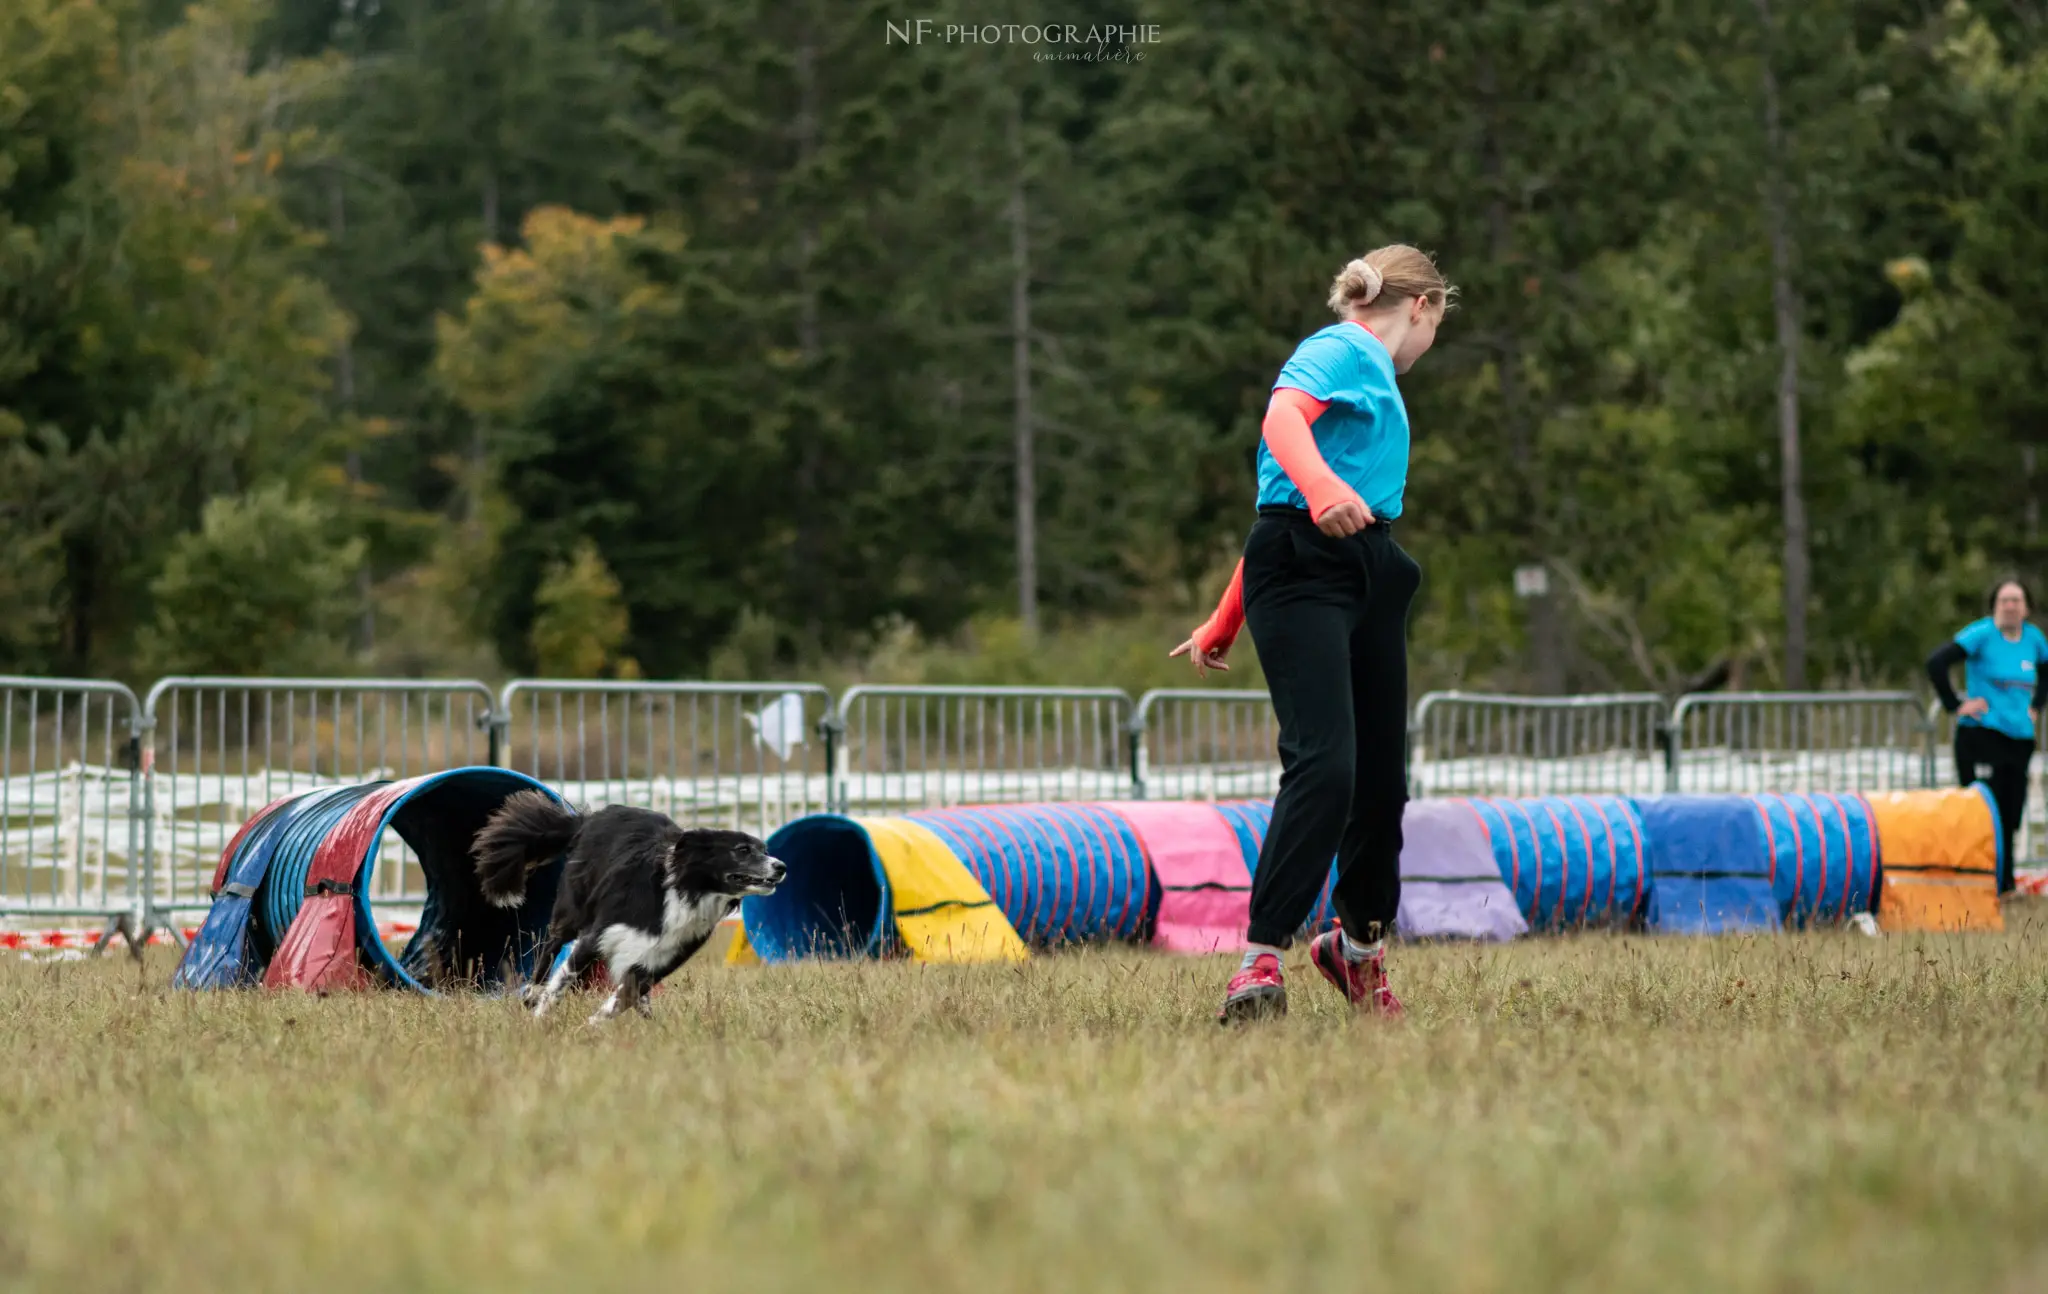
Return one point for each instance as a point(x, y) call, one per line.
point(34, 940)
point(31, 941)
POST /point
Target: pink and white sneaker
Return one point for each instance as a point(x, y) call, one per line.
point(1257, 992)
point(1363, 984)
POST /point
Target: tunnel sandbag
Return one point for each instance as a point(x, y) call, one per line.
point(1573, 862)
point(1823, 851)
point(1451, 888)
point(942, 913)
point(1710, 865)
point(1205, 885)
point(1250, 820)
point(1060, 873)
point(740, 952)
point(321, 880)
point(1938, 859)
point(281, 892)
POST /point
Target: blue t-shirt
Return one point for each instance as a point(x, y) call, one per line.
point(1363, 435)
point(2003, 672)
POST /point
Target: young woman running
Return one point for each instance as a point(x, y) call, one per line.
point(1325, 590)
point(2005, 678)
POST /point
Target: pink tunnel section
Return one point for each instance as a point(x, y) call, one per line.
point(1205, 889)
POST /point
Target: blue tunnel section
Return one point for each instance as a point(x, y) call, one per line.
point(835, 904)
point(1573, 862)
point(1822, 853)
point(1061, 873)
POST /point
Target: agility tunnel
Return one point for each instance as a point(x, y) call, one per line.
point(1823, 852)
point(1725, 863)
point(1175, 874)
point(1941, 852)
point(951, 884)
point(291, 906)
point(1571, 862)
point(994, 882)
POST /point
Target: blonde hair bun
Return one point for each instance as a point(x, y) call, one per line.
point(1397, 270)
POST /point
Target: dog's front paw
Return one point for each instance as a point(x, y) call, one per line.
point(529, 994)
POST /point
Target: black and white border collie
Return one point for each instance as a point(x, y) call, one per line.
point(637, 890)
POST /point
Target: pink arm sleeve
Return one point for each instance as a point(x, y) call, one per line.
point(1220, 630)
point(1293, 446)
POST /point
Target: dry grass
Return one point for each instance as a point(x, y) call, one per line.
point(1810, 1113)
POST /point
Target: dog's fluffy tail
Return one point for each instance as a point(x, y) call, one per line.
point(528, 829)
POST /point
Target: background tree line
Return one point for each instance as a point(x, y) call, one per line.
point(677, 337)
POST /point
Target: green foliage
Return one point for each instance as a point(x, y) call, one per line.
point(580, 620)
point(261, 588)
point(687, 334)
point(181, 349)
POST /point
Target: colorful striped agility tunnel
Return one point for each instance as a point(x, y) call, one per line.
point(996, 881)
point(291, 906)
point(1177, 875)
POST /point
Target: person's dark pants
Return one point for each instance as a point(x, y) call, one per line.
point(1330, 620)
point(1998, 761)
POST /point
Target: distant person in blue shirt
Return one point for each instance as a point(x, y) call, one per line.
point(2005, 662)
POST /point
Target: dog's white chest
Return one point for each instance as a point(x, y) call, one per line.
point(684, 923)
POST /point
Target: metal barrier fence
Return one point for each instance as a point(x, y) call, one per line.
point(903, 748)
point(1800, 741)
point(219, 749)
point(117, 810)
point(1480, 744)
point(747, 756)
point(70, 815)
point(1204, 744)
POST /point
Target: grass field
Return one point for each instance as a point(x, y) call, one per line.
point(1795, 1114)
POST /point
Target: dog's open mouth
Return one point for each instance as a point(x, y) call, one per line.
point(748, 883)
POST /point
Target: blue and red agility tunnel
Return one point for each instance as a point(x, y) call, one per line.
point(291, 906)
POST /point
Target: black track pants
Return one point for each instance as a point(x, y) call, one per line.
point(1998, 761)
point(1330, 620)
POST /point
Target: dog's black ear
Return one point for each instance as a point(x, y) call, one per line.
point(696, 849)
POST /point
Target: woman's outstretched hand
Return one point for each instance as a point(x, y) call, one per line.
point(1203, 660)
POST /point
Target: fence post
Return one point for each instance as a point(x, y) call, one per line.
point(1411, 737)
point(832, 731)
point(496, 722)
point(1137, 740)
point(1930, 728)
point(1669, 739)
point(142, 829)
